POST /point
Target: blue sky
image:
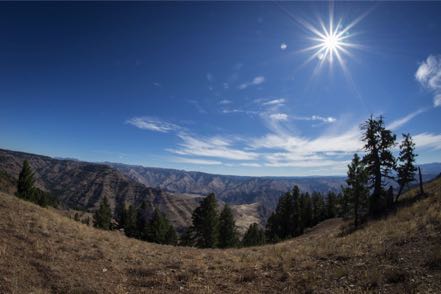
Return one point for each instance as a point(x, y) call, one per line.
point(216, 87)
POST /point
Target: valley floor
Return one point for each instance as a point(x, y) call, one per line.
point(42, 251)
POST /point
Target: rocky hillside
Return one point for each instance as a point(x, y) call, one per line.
point(42, 251)
point(231, 189)
point(81, 186)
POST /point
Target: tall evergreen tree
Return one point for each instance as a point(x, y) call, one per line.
point(378, 159)
point(171, 237)
point(272, 229)
point(318, 208)
point(296, 226)
point(357, 188)
point(227, 228)
point(143, 216)
point(254, 236)
point(307, 210)
point(331, 205)
point(130, 217)
point(158, 228)
point(205, 223)
point(406, 169)
point(103, 216)
point(25, 184)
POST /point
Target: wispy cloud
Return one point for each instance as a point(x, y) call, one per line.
point(217, 147)
point(250, 164)
point(327, 119)
point(396, 124)
point(225, 102)
point(274, 102)
point(428, 140)
point(256, 81)
point(279, 116)
point(428, 75)
point(198, 106)
point(197, 161)
point(152, 124)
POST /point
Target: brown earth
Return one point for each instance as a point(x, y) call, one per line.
point(42, 251)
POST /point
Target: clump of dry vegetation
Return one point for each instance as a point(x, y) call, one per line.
point(43, 251)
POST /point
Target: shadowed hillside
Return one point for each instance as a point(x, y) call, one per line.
point(42, 251)
point(81, 186)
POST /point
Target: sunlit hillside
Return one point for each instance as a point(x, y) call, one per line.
point(42, 251)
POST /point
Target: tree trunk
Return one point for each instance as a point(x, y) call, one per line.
point(421, 181)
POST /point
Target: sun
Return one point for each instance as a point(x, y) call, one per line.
point(331, 41)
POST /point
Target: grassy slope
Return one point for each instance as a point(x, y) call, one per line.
point(42, 251)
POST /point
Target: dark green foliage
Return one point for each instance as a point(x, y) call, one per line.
point(406, 169)
point(295, 212)
point(129, 222)
point(159, 230)
point(227, 228)
point(171, 237)
point(357, 191)
point(27, 191)
point(331, 205)
point(379, 160)
point(254, 236)
point(187, 238)
point(307, 210)
point(103, 216)
point(25, 184)
point(205, 223)
point(318, 208)
point(142, 220)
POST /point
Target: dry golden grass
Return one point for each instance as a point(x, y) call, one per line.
point(43, 251)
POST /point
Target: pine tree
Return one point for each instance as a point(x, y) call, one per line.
point(331, 205)
point(227, 228)
point(157, 228)
point(272, 229)
point(254, 236)
point(171, 237)
point(205, 223)
point(143, 215)
point(357, 189)
point(378, 159)
point(25, 185)
point(295, 212)
point(406, 169)
point(318, 208)
point(130, 218)
point(307, 210)
point(103, 216)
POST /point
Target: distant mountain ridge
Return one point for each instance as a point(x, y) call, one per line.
point(82, 185)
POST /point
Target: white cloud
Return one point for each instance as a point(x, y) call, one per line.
point(152, 124)
point(396, 124)
point(256, 81)
point(428, 75)
point(250, 164)
point(279, 116)
point(427, 140)
point(274, 102)
point(437, 100)
point(224, 102)
point(283, 46)
point(217, 147)
point(197, 161)
point(328, 119)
